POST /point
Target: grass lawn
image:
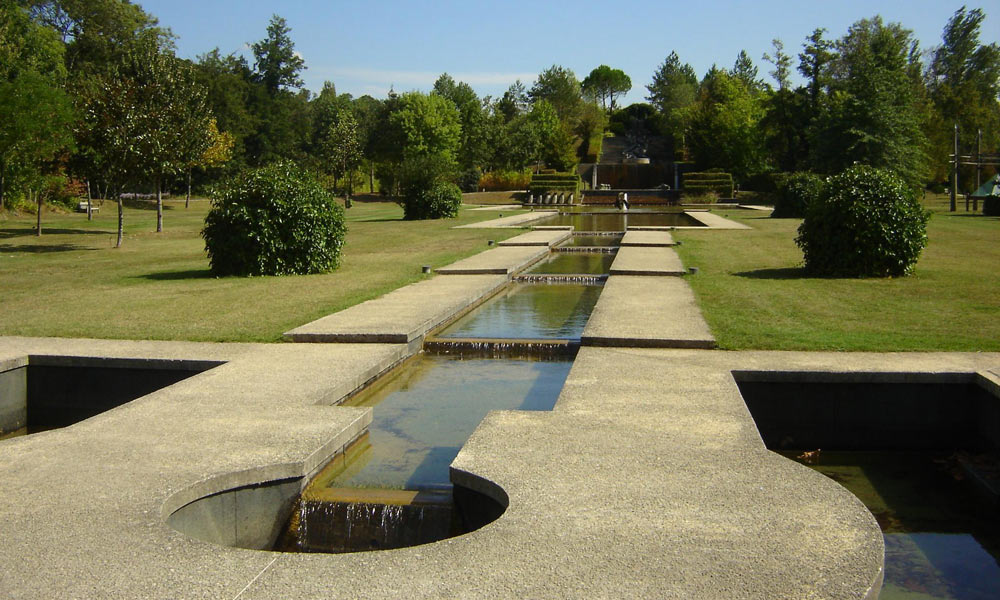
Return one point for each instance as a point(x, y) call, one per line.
point(754, 294)
point(72, 282)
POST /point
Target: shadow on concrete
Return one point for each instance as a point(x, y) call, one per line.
point(179, 275)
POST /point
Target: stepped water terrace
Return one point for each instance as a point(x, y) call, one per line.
point(619, 460)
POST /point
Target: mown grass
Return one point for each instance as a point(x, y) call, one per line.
point(72, 282)
point(755, 295)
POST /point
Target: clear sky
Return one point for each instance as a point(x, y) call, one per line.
point(365, 47)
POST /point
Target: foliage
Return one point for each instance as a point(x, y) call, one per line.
point(468, 180)
point(872, 116)
point(426, 124)
point(782, 64)
point(867, 222)
point(275, 220)
point(495, 181)
point(746, 72)
point(724, 127)
point(561, 89)
point(795, 194)
point(472, 146)
point(673, 90)
point(607, 85)
point(555, 145)
point(439, 201)
point(276, 64)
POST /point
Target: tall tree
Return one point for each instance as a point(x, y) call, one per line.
point(673, 90)
point(814, 61)
point(514, 101)
point(873, 115)
point(559, 87)
point(724, 126)
point(341, 149)
point(472, 143)
point(277, 65)
point(607, 85)
point(745, 71)
point(782, 64)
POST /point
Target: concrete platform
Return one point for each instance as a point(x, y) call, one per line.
point(648, 480)
point(512, 221)
point(647, 312)
point(504, 260)
point(713, 221)
point(647, 239)
point(539, 237)
point(402, 316)
point(652, 261)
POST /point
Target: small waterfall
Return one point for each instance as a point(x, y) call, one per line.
point(557, 278)
point(498, 348)
point(587, 249)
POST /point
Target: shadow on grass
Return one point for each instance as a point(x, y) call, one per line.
point(42, 248)
point(179, 275)
point(783, 273)
point(6, 234)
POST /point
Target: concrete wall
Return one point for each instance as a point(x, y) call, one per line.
point(248, 517)
point(797, 413)
point(13, 400)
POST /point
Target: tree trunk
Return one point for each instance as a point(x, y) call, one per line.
point(187, 199)
point(1, 189)
point(121, 221)
point(371, 177)
point(38, 218)
point(159, 204)
point(90, 203)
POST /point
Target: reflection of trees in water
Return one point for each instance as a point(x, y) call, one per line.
point(531, 311)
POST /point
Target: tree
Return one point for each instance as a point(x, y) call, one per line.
point(782, 64)
point(745, 71)
point(674, 89)
point(560, 88)
point(872, 116)
point(607, 85)
point(148, 117)
point(514, 102)
point(555, 145)
point(472, 142)
point(724, 126)
point(813, 64)
point(277, 65)
point(218, 153)
point(341, 148)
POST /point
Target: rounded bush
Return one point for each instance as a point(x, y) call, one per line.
point(796, 192)
point(866, 223)
point(439, 201)
point(275, 220)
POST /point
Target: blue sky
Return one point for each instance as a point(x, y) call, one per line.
point(364, 47)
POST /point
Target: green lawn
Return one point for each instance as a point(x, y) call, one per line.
point(754, 294)
point(72, 282)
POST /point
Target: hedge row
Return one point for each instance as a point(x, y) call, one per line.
point(544, 183)
point(703, 183)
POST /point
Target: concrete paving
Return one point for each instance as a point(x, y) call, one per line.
point(539, 237)
point(504, 260)
point(647, 312)
point(637, 237)
point(511, 221)
point(713, 221)
point(405, 315)
point(654, 261)
point(648, 480)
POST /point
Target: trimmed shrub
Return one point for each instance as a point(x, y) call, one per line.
point(865, 223)
point(503, 181)
point(699, 184)
point(440, 201)
point(559, 183)
point(275, 220)
point(795, 194)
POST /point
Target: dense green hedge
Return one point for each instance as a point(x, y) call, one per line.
point(991, 207)
point(276, 220)
point(547, 183)
point(696, 184)
point(866, 223)
point(796, 192)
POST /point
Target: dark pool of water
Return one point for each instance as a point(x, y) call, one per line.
point(424, 411)
point(941, 541)
point(530, 311)
point(620, 221)
point(593, 240)
point(561, 263)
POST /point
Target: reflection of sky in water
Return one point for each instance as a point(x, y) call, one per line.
point(575, 263)
point(424, 415)
point(530, 311)
point(939, 566)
